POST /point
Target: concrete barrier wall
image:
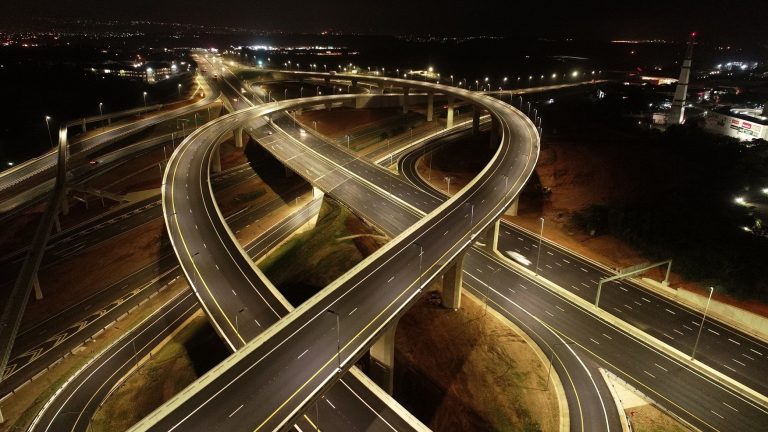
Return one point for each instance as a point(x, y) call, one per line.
point(749, 322)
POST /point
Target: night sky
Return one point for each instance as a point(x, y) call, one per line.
point(720, 20)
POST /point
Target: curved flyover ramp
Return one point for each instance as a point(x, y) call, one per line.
point(280, 372)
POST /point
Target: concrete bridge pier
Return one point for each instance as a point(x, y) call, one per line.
point(492, 237)
point(452, 279)
point(512, 210)
point(449, 115)
point(495, 128)
point(430, 105)
point(36, 286)
point(216, 158)
point(382, 359)
point(316, 192)
point(406, 91)
point(65, 203)
point(239, 137)
point(475, 120)
point(85, 129)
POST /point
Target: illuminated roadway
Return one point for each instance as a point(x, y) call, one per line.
point(396, 276)
point(693, 377)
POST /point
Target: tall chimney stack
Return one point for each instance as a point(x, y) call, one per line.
point(676, 116)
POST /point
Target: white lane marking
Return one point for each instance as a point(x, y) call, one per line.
point(522, 286)
point(730, 407)
point(751, 358)
point(547, 265)
point(575, 287)
point(329, 403)
point(678, 332)
point(672, 312)
point(710, 330)
point(238, 409)
point(217, 267)
point(353, 311)
point(688, 328)
point(737, 343)
point(550, 253)
point(738, 362)
point(257, 323)
point(233, 292)
point(390, 279)
point(652, 375)
point(549, 313)
point(623, 289)
point(607, 336)
point(560, 308)
point(668, 336)
point(585, 284)
point(566, 261)
point(302, 354)
point(729, 367)
point(628, 306)
point(584, 270)
point(594, 341)
point(637, 302)
point(756, 352)
point(558, 264)
point(660, 367)
point(617, 310)
point(717, 414)
point(593, 281)
point(645, 299)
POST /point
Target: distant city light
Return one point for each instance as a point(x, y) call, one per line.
point(740, 200)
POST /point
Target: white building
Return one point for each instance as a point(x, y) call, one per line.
point(743, 123)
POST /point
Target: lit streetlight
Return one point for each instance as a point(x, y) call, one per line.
point(48, 126)
point(701, 326)
point(101, 110)
point(145, 99)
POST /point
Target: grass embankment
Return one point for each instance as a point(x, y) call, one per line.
point(469, 371)
point(309, 261)
point(191, 352)
point(648, 418)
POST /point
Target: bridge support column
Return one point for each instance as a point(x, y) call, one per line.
point(239, 137)
point(216, 158)
point(494, 132)
point(512, 210)
point(406, 91)
point(65, 203)
point(452, 279)
point(449, 115)
point(430, 105)
point(85, 129)
point(316, 192)
point(475, 120)
point(382, 359)
point(36, 286)
point(492, 237)
point(328, 106)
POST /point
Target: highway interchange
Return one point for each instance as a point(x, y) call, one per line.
point(556, 322)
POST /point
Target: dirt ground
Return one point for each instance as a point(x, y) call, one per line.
point(578, 177)
point(466, 370)
point(339, 121)
point(648, 418)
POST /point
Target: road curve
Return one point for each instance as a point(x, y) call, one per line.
point(377, 291)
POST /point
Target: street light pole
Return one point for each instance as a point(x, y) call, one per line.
point(448, 180)
point(701, 326)
point(541, 235)
point(101, 111)
point(237, 327)
point(48, 126)
point(145, 99)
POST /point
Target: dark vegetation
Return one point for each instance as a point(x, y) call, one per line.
point(692, 216)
